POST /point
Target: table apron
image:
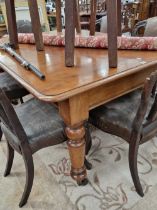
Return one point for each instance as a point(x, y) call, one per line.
point(109, 91)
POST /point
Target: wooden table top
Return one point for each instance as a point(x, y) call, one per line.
point(91, 69)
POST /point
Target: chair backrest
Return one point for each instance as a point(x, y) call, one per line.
point(147, 111)
point(9, 118)
point(35, 20)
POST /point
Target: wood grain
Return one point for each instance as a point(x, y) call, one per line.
point(90, 70)
point(112, 32)
point(58, 16)
point(11, 18)
point(36, 26)
point(69, 33)
point(93, 17)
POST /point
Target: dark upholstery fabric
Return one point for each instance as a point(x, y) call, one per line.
point(117, 115)
point(41, 122)
point(11, 87)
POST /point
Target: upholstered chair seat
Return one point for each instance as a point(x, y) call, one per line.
point(11, 87)
point(42, 125)
point(133, 117)
point(117, 116)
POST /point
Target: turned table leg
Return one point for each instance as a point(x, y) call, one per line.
point(76, 145)
point(74, 112)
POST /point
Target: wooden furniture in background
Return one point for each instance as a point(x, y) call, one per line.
point(132, 117)
point(144, 10)
point(80, 88)
point(153, 8)
point(130, 16)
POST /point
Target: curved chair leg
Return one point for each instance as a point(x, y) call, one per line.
point(21, 100)
point(28, 159)
point(88, 146)
point(1, 133)
point(10, 158)
point(133, 152)
point(88, 138)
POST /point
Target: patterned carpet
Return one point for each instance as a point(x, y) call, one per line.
point(110, 186)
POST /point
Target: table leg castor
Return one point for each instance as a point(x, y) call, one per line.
point(82, 182)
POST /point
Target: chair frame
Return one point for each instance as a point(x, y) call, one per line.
point(144, 127)
point(35, 19)
point(142, 132)
point(10, 119)
point(23, 148)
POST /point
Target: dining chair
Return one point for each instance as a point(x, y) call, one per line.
point(28, 128)
point(35, 20)
point(12, 89)
point(133, 117)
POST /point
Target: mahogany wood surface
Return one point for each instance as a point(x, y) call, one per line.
point(90, 70)
point(78, 89)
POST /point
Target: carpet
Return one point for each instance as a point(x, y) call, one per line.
point(110, 185)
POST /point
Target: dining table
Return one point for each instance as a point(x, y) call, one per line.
point(79, 89)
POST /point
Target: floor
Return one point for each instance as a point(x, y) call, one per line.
point(110, 186)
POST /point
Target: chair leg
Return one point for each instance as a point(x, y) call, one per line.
point(1, 133)
point(88, 146)
point(133, 151)
point(10, 158)
point(28, 159)
point(21, 100)
point(88, 138)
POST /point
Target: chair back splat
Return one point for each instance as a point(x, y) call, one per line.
point(133, 117)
